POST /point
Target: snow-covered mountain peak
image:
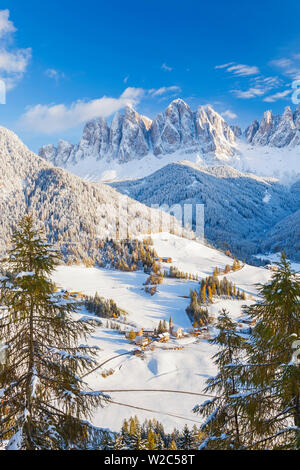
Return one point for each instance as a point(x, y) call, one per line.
point(297, 116)
point(134, 145)
point(276, 130)
point(178, 102)
point(131, 136)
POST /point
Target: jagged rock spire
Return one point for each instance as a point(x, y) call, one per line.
point(132, 136)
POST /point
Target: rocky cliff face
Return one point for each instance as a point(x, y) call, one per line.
point(174, 129)
point(237, 131)
point(128, 137)
point(131, 136)
point(276, 131)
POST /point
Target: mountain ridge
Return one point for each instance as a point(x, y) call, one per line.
point(77, 215)
point(240, 208)
point(276, 130)
point(133, 136)
point(135, 146)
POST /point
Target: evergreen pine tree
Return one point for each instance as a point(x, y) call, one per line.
point(173, 445)
point(203, 293)
point(43, 401)
point(160, 445)
point(107, 442)
point(137, 441)
point(125, 434)
point(222, 425)
point(151, 444)
point(119, 443)
point(271, 376)
point(186, 440)
point(210, 295)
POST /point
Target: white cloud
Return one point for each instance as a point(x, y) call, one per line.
point(6, 26)
point(166, 68)
point(281, 63)
point(229, 114)
point(240, 70)
point(277, 96)
point(268, 82)
point(54, 74)
point(133, 94)
point(163, 90)
point(224, 66)
point(289, 67)
point(126, 79)
point(53, 118)
point(250, 93)
point(243, 70)
point(49, 119)
point(13, 61)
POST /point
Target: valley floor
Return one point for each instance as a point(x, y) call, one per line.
point(159, 369)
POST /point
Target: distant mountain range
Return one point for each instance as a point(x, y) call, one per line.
point(183, 157)
point(135, 146)
point(132, 136)
point(276, 130)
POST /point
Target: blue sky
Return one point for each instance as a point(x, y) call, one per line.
point(67, 61)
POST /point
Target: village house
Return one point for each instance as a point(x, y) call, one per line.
point(148, 333)
point(197, 331)
point(141, 341)
point(164, 337)
point(73, 295)
point(271, 267)
point(177, 332)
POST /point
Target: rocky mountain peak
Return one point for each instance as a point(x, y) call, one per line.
point(132, 136)
point(237, 131)
point(297, 117)
point(276, 131)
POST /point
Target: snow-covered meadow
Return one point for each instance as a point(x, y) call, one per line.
point(160, 369)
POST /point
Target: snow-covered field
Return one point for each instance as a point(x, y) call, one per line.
point(93, 169)
point(281, 163)
point(196, 258)
point(160, 369)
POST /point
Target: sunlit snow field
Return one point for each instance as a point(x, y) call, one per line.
point(281, 163)
point(181, 370)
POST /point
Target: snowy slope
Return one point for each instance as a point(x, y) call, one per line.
point(239, 208)
point(195, 258)
point(285, 236)
point(265, 161)
point(282, 163)
point(178, 370)
point(74, 213)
